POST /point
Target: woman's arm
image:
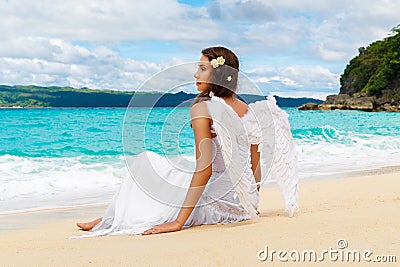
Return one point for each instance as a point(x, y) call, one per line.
point(203, 143)
point(255, 164)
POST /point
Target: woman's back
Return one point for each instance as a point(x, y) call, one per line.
point(219, 202)
point(232, 169)
point(240, 107)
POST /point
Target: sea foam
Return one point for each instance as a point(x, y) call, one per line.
point(30, 183)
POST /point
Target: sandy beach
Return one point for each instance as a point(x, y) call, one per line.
point(360, 211)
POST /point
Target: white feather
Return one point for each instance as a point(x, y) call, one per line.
point(235, 151)
point(278, 158)
point(278, 155)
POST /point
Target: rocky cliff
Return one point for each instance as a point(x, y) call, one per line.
point(371, 80)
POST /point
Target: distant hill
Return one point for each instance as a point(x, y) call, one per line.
point(295, 102)
point(376, 70)
point(371, 80)
point(36, 96)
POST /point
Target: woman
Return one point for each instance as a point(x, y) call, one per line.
point(224, 186)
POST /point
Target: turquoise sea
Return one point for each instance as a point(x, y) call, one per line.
point(62, 157)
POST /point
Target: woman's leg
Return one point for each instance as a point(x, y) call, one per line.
point(89, 225)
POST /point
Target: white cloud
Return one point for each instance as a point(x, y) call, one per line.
point(249, 11)
point(284, 80)
point(328, 30)
point(104, 20)
point(338, 28)
point(36, 40)
point(310, 81)
point(308, 41)
point(68, 65)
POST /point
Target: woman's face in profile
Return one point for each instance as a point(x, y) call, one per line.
point(203, 74)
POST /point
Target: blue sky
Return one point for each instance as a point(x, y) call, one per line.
point(290, 47)
point(194, 3)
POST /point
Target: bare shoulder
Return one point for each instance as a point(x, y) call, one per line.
point(240, 107)
point(243, 104)
point(199, 110)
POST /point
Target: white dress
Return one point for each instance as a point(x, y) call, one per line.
point(224, 200)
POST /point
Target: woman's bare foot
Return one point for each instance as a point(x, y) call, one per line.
point(89, 225)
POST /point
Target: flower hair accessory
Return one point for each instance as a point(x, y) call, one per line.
point(211, 94)
point(217, 62)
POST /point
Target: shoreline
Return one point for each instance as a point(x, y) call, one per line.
point(104, 203)
point(362, 210)
point(354, 173)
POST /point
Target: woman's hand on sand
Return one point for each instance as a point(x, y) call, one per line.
point(164, 228)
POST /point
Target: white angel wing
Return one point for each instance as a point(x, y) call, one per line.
point(235, 151)
point(278, 157)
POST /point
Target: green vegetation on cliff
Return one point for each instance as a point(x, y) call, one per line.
point(376, 70)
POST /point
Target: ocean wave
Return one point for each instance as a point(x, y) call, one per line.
point(81, 160)
point(330, 135)
point(27, 181)
point(327, 150)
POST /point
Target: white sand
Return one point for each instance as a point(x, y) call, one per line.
point(362, 210)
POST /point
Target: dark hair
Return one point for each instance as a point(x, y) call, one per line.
point(219, 83)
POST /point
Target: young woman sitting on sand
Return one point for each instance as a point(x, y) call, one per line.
point(224, 187)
